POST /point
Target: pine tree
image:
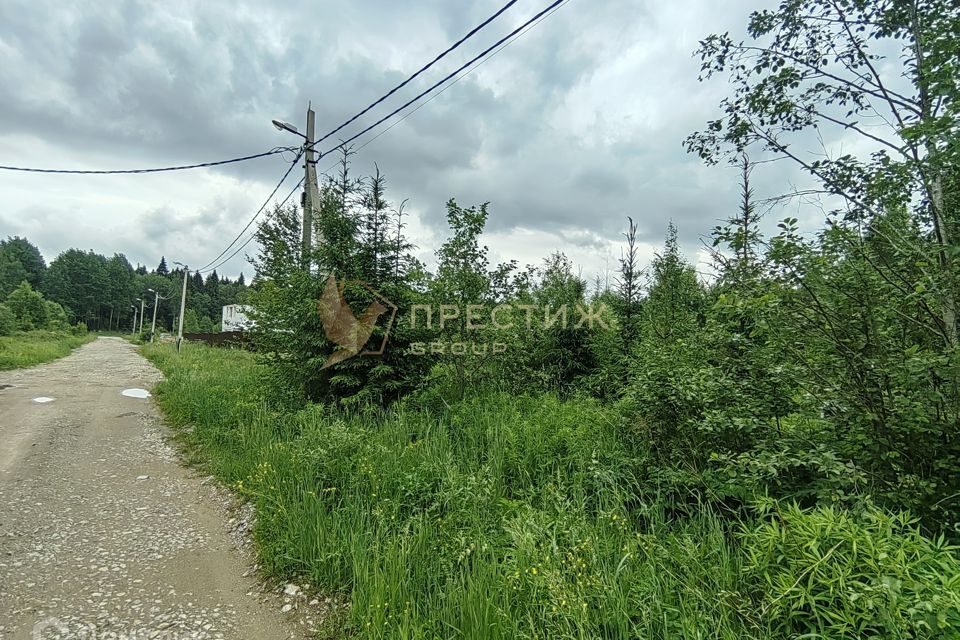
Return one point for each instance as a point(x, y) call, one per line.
point(162, 269)
point(628, 285)
point(675, 299)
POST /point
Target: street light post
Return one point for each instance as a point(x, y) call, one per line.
point(141, 316)
point(156, 303)
point(133, 329)
point(310, 195)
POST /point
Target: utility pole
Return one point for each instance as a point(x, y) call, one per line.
point(153, 324)
point(141, 315)
point(310, 195)
point(134, 328)
point(183, 306)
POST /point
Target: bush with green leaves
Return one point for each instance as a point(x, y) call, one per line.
point(56, 316)
point(832, 573)
point(8, 320)
point(28, 306)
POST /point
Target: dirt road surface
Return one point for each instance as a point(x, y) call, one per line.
point(102, 533)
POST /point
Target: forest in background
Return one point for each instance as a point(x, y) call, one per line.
point(101, 293)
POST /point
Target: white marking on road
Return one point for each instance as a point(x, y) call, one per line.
point(135, 393)
point(43, 400)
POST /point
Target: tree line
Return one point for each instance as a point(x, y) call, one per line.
point(102, 293)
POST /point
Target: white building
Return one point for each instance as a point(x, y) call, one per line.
point(235, 318)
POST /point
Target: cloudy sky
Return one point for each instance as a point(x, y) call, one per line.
point(572, 128)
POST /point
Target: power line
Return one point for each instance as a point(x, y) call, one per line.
point(470, 67)
point(422, 69)
point(461, 77)
point(252, 235)
point(272, 152)
point(419, 72)
point(482, 54)
point(524, 31)
point(257, 214)
point(373, 104)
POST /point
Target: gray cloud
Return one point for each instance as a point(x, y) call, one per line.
point(566, 132)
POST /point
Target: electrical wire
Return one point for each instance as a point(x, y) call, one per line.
point(257, 214)
point(482, 54)
point(532, 25)
point(471, 66)
point(251, 236)
point(272, 152)
point(422, 69)
point(459, 78)
point(456, 75)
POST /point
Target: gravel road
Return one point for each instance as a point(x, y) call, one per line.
point(102, 533)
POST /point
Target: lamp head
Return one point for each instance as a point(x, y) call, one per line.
point(285, 126)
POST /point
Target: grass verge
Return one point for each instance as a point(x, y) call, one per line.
point(36, 347)
point(529, 517)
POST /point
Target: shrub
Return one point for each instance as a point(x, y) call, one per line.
point(56, 316)
point(79, 329)
point(28, 306)
point(831, 573)
point(8, 321)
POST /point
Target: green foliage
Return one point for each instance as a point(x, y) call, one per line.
point(36, 347)
point(829, 573)
point(56, 316)
point(77, 280)
point(674, 297)
point(558, 356)
point(28, 307)
point(485, 495)
point(8, 320)
point(12, 273)
point(368, 258)
point(19, 260)
point(515, 516)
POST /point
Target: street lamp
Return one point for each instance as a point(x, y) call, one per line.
point(134, 329)
point(310, 195)
point(156, 303)
point(156, 299)
point(141, 301)
point(285, 126)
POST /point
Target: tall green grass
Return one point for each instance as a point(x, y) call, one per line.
point(36, 347)
point(518, 517)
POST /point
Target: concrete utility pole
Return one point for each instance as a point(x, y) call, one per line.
point(134, 328)
point(153, 324)
point(141, 316)
point(310, 195)
point(183, 305)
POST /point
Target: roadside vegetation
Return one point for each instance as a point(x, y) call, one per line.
point(771, 452)
point(530, 516)
point(36, 347)
point(34, 330)
point(25, 349)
